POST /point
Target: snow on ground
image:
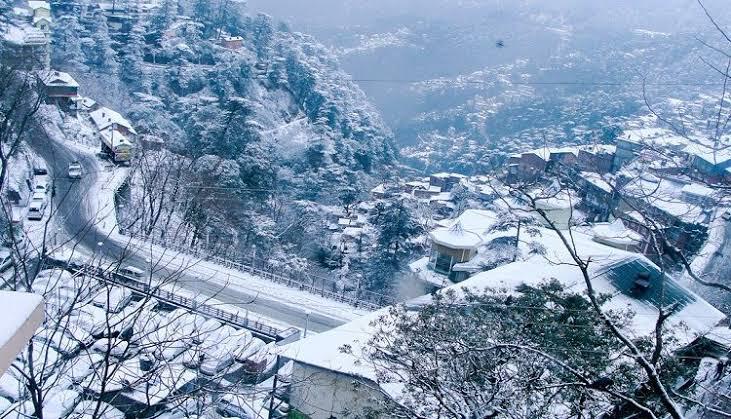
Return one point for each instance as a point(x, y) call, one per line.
point(100, 207)
point(234, 279)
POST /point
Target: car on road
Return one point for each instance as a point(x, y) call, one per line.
point(726, 215)
point(131, 272)
point(6, 259)
point(75, 170)
point(36, 210)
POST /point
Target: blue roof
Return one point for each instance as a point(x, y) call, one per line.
point(662, 290)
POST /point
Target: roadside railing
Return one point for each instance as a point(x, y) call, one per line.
point(258, 328)
point(317, 285)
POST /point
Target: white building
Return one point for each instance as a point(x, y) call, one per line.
point(330, 382)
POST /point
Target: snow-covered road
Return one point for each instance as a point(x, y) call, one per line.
point(89, 220)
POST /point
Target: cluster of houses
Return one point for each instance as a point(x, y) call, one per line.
point(26, 37)
point(328, 381)
point(113, 132)
point(649, 180)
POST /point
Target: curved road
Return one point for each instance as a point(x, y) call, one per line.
point(72, 211)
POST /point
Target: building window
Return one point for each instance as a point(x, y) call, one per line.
point(443, 263)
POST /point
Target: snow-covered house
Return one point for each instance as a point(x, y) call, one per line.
point(328, 381)
point(616, 234)
point(24, 46)
point(598, 197)
point(650, 202)
point(105, 119)
point(446, 181)
point(232, 42)
point(41, 15)
point(597, 158)
point(58, 88)
point(709, 161)
point(457, 242)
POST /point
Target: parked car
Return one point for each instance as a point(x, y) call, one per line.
point(235, 405)
point(39, 168)
point(38, 196)
point(36, 210)
point(43, 184)
point(726, 215)
point(75, 170)
point(6, 259)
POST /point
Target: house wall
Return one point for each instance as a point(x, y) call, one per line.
point(323, 394)
point(42, 12)
point(626, 152)
point(595, 162)
point(527, 167)
point(61, 91)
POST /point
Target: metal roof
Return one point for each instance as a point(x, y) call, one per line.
point(662, 290)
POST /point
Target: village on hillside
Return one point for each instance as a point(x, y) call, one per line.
point(154, 321)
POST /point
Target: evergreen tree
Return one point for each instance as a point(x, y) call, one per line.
point(66, 51)
point(202, 11)
point(262, 34)
point(102, 57)
point(395, 223)
point(163, 17)
point(5, 6)
point(131, 67)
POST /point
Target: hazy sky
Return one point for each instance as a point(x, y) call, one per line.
point(655, 14)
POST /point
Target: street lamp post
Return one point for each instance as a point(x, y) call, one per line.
point(307, 322)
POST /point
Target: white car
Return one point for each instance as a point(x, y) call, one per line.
point(75, 170)
point(38, 196)
point(726, 215)
point(131, 272)
point(36, 210)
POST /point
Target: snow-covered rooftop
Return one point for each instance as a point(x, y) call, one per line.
point(712, 153)
point(597, 180)
point(611, 271)
point(37, 4)
point(105, 117)
point(467, 231)
point(57, 78)
point(114, 137)
point(698, 189)
point(615, 234)
point(23, 313)
point(665, 195)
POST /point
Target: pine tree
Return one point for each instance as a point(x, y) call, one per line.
point(102, 56)
point(66, 51)
point(163, 17)
point(5, 6)
point(131, 67)
point(263, 34)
